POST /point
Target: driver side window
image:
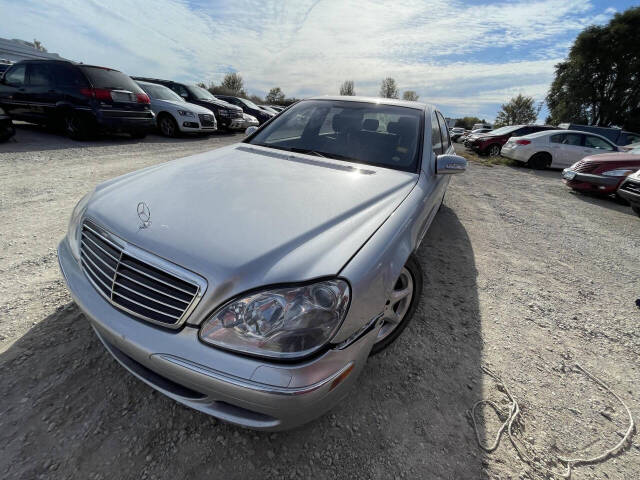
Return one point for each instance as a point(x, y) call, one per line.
point(15, 76)
point(436, 139)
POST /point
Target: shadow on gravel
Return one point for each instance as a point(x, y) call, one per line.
point(31, 137)
point(68, 410)
point(604, 202)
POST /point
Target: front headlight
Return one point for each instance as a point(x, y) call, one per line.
point(186, 113)
point(74, 230)
point(224, 113)
point(282, 323)
point(620, 172)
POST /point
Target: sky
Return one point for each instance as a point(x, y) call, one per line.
point(467, 57)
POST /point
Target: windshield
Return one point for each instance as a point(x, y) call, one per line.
point(200, 93)
point(370, 133)
point(249, 103)
point(106, 78)
point(160, 92)
point(504, 130)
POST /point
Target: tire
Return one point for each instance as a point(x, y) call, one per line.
point(76, 127)
point(636, 209)
point(403, 309)
point(539, 161)
point(494, 150)
point(168, 126)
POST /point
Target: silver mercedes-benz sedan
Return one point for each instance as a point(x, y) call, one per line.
point(253, 281)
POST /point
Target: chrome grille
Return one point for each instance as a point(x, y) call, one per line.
point(206, 120)
point(585, 167)
point(138, 283)
point(631, 186)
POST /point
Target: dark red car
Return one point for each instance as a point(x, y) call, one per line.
point(601, 173)
point(491, 142)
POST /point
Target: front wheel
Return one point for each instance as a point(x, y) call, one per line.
point(401, 305)
point(494, 150)
point(168, 126)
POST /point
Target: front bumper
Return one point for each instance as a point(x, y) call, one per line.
point(246, 391)
point(630, 191)
point(588, 182)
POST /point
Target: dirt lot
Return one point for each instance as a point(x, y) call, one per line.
point(522, 276)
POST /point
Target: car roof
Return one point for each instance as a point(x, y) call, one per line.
point(562, 130)
point(384, 101)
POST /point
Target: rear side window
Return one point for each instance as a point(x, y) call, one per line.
point(436, 138)
point(574, 139)
point(444, 133)
point(106, 78)
point(40, 75)
point(179, 89)
point(597, 142)
point(15, 76)
point(68, 76)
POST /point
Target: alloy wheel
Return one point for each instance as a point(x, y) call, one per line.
point(398, 305)
point(167, 127)
point(494, 151)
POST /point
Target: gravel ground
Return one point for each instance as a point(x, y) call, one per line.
point(521, 275)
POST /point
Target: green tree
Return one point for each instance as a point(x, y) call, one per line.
point(275, 96)
point(410, 95)
point(347, 88)
point(388, 88)
point(518, 110)
point(599, 82)
point(233, 82)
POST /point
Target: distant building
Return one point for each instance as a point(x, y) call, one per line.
point(16, 50)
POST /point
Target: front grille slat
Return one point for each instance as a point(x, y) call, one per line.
point(135, 282)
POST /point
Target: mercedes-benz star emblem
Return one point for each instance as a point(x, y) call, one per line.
point(144, 214)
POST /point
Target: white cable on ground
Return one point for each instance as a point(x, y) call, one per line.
point(514, 411)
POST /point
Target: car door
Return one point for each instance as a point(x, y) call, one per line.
point(14, 91)
point(594, 145)
point(40, 90)
point(571, 150)
point(433, 185)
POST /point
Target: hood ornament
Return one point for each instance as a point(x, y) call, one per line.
point(144, 214)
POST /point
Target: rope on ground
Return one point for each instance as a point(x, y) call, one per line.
point(514, 412)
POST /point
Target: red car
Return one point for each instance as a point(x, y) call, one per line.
point(491, 142)
point(602, 173)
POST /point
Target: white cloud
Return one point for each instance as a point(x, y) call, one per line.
point(445, 50)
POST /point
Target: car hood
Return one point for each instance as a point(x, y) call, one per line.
point(619, 157)
point(221, 104)
point(245, 216)
point(176, 104)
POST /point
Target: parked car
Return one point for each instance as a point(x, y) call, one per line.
point(250, 121)
point(174, 115)
point(491, 142)
point(6, 126)
point(555, 148)
point(478, 126)
point(80, 99)
point(630, 190)
point(615, 135)
point(227, 116)
point(631, 146)
point(277, 108)
point(249, 107)
point(468, 136)
point(456, 133)
point(263, 309)
point(602, 174)
point(268, 109)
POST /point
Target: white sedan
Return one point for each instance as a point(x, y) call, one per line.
point(556, 148)
point(174, 115)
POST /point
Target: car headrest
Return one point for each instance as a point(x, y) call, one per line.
point(370, 124)
point(392, 127)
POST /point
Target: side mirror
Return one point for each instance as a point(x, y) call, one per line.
point(250, 130)
point(448, 164)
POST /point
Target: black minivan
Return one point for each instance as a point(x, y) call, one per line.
point(227, 116)
point(80, 99)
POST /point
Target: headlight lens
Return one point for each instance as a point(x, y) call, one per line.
point(224, 113)
point(186, 113)
point(73, 231)
point(281, 323)
point(617, 173)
